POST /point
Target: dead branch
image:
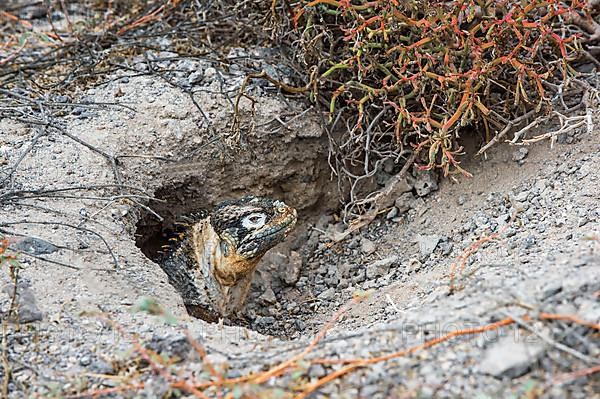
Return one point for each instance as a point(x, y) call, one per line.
point(354, 364)
point(509, 126)
point(15, 166)
point(550, 341)
point(112, 254)
point(13, 271)
point(112, 160)
point(568, 377)
point(54, 262)
point(310, 85)
point(379, 200)
point(461, 260)
point(587, 23)
point(567, 124)
point(40, 193)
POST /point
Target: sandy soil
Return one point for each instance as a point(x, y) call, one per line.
point(544, 260)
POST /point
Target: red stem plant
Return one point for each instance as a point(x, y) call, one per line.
point(438, 65)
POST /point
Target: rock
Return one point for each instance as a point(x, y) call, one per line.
point(345, 269)
point(405, 202)
point(302, 282)
point(388, 165)
point(589, 310)
point(540, 185)
point(174, 111)
point(511, 356)
point(582, 221)
point(467, 227)
point(528, 242)
point(360, 276)
point(316, 371)
point(171, 346)
point(35, 246)
point(446, 248)
point(22, 376)
point(414, 265)
point(210, 72)
point(189, 65)
point(313, 239)
point(370, 391)
point(331, 270)
point(427, 244)
point(327, 294)
point(510, 232)
point(290, 273)
point(268, 296)
point(522, 196)
point(381, 267)
point(461, 200)
point(520, 154)
point(502, 219)
point(31, 11)
point(425, 183)
point(196, 77)
point(392, 213)
point(339, 227)
point(396, 187)
point(85, 360)
point(367, 246)
point(286, 267)
point(482, 221)
point(27, 310)
point(77, 111)
point(265, 321)
point(101, 367)
point(382, 177)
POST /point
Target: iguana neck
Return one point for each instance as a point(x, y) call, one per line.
point(226, 279)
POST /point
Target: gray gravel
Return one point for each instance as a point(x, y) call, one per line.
point(546, 260)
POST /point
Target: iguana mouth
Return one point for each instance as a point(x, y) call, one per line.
point(285, 223)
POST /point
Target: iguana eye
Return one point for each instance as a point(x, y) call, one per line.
point(254, 220)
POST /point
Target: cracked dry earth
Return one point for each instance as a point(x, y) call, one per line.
point(546, 259)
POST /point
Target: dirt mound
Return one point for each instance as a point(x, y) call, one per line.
point(546, 259)
point(467, 286)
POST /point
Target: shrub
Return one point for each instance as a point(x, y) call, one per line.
point(414, 74)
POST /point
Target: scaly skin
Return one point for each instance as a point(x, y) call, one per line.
point(212, 268)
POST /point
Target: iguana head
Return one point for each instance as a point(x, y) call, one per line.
point(250, 226)
point(214, 265)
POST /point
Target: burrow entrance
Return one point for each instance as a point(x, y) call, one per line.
point(299, 282)
point(290, 168)
point(154, 236)
point(282, 299)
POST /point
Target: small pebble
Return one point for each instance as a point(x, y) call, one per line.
point(520, 154)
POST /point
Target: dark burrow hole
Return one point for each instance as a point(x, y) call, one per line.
point(282, 299)
point(299, 283)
